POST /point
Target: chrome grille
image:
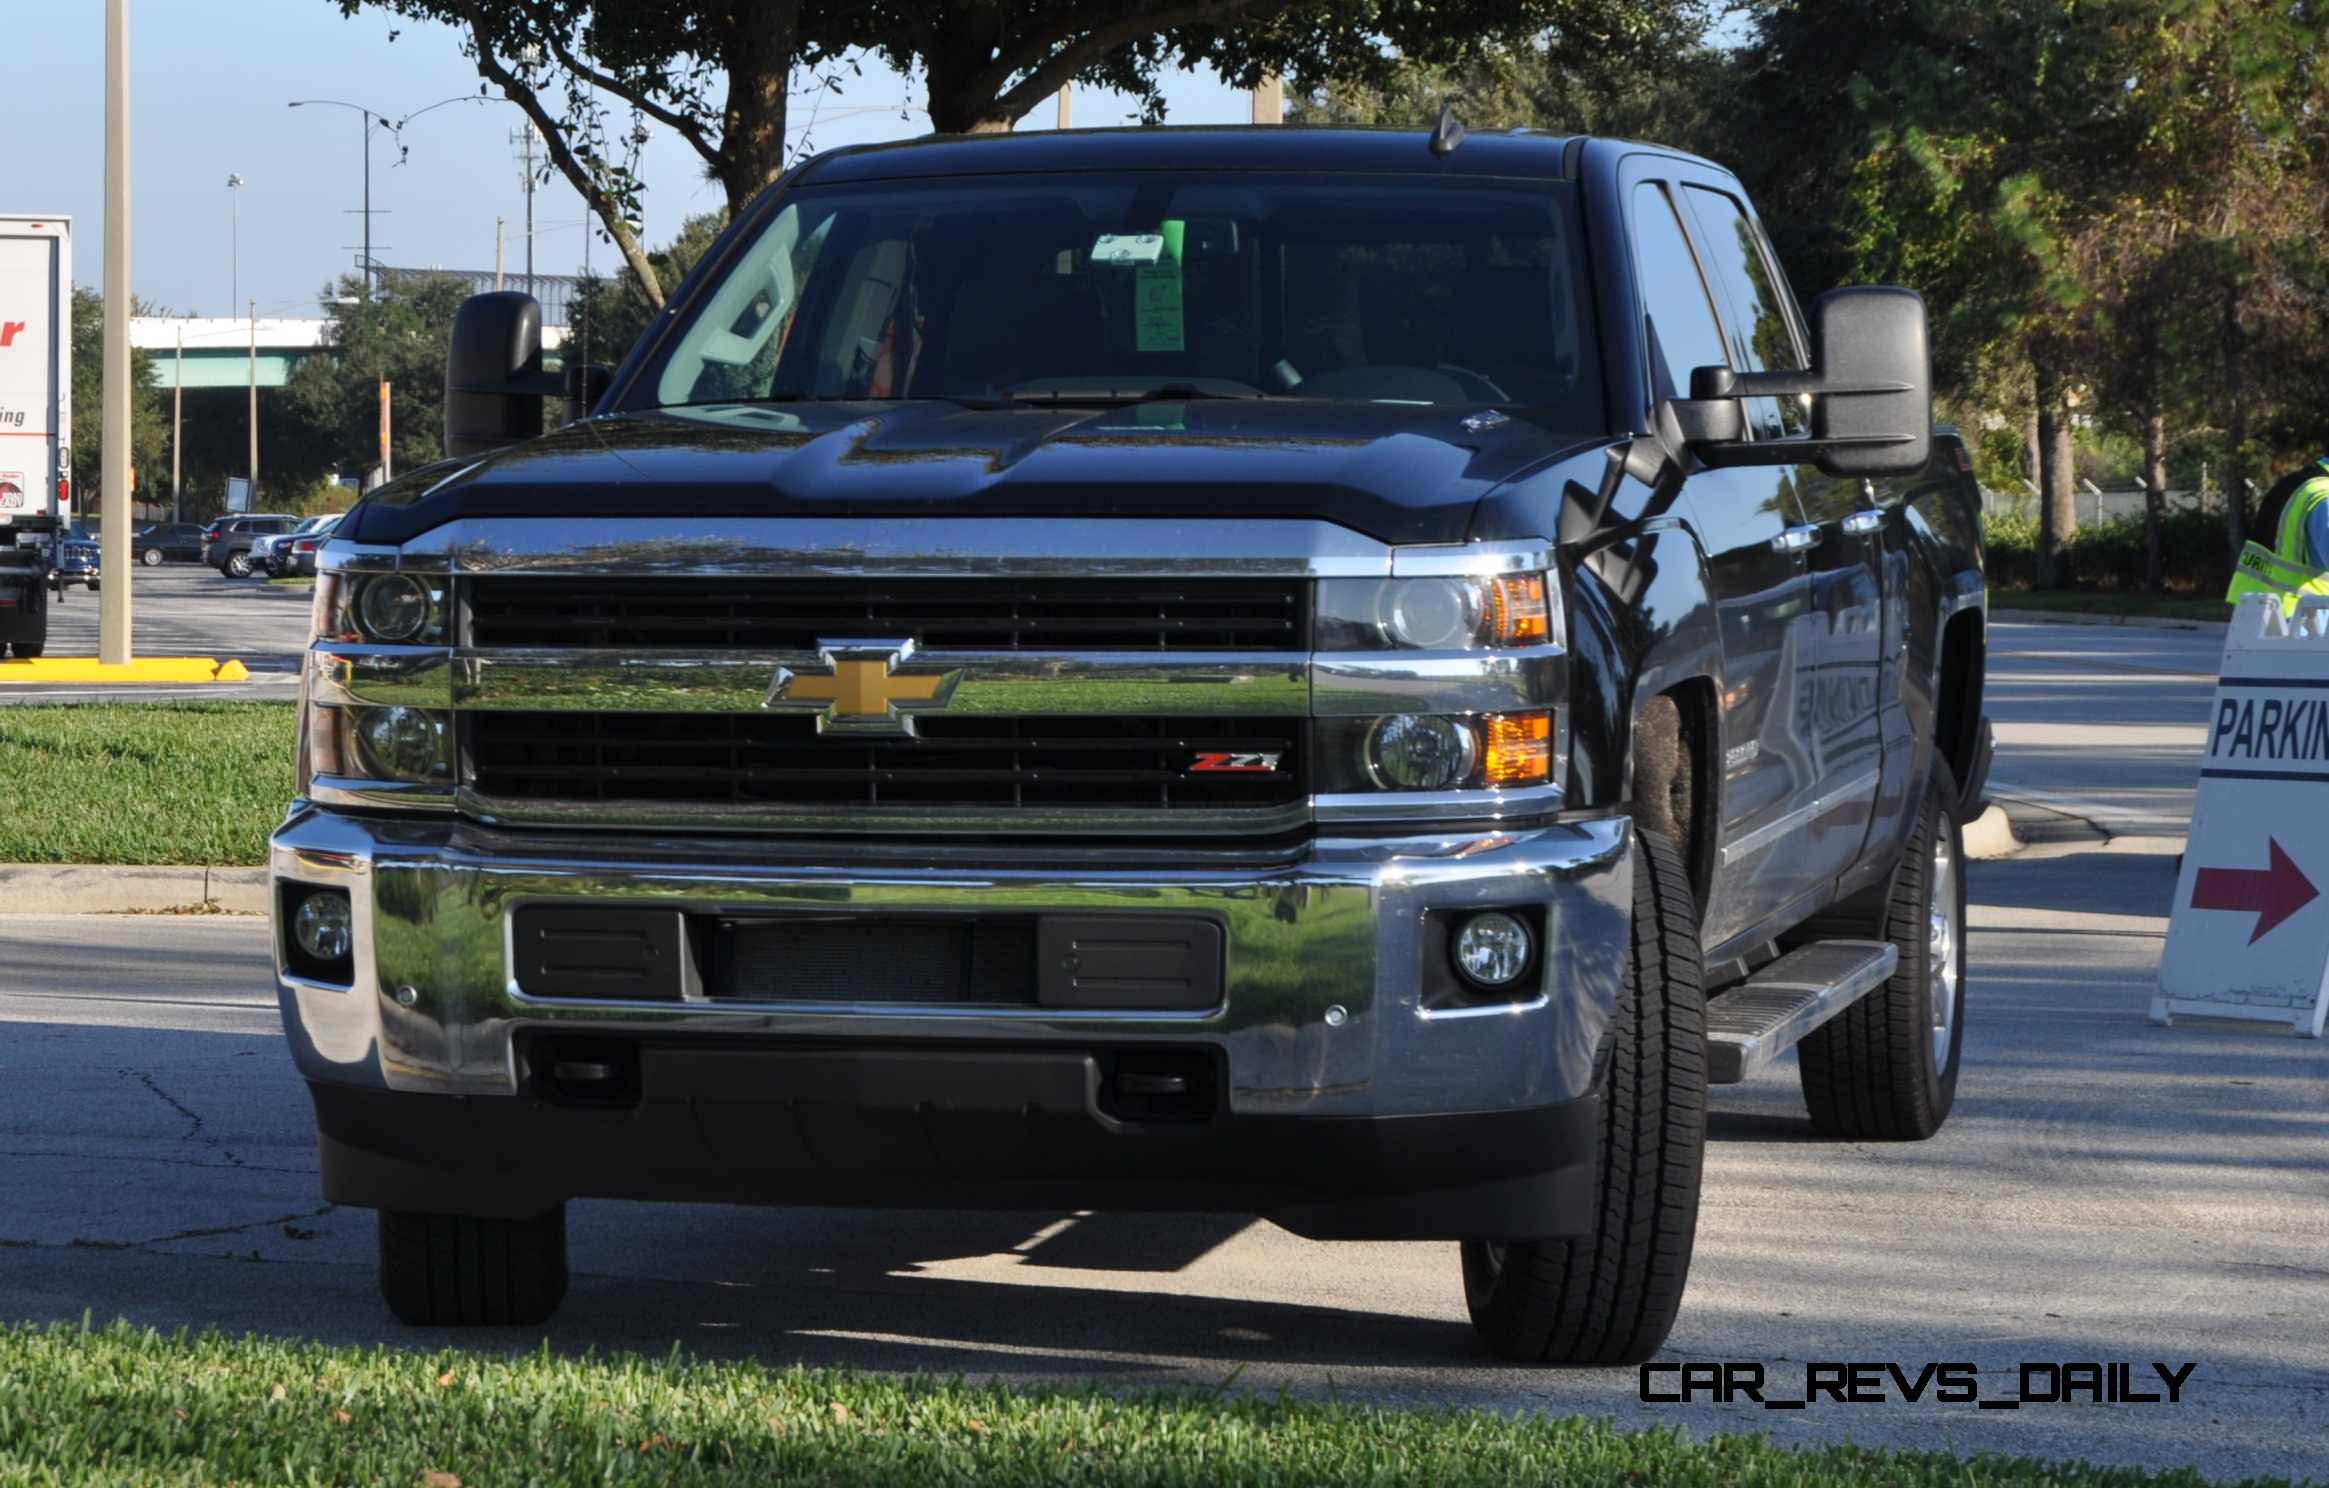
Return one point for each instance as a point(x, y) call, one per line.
point(1144, 762)
point(788, 614)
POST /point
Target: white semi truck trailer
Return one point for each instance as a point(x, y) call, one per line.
point(36, 420)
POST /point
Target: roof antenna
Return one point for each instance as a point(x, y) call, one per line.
point(1449, 132)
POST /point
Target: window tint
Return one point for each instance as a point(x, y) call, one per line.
point(1760, 339)
point(1683, 330)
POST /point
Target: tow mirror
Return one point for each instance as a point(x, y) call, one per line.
point(494, 382)
point(1870, 386)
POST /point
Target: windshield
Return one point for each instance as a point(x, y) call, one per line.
point(1360, 288)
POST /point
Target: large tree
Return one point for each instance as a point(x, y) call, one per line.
point(398, 334)
point(722, 74)
point(149, 421)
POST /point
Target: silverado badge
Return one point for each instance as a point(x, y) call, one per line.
point(862, 690)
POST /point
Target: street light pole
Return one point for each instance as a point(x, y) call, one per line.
point(113, 542)
point(370, 118)
point(234, 252)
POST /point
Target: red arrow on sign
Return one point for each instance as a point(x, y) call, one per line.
point(2271, 893)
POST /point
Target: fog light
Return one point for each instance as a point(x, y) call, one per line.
point(1493, 949)
point(1420, 752)
point(323, 927)
point(393, 607)
point(401, 743)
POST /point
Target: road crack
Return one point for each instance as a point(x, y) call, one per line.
point(195, 1130)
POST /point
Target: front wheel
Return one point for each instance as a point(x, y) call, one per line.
point(450, 1271)
point(1885, 1069)
point(1609, 1296)
point(238, 566)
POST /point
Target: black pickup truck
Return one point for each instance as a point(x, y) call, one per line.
point(1338, 675)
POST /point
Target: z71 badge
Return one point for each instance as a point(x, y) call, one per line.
point(1236, 764)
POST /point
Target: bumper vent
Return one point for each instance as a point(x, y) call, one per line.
point(998, 763)
point(977, 614)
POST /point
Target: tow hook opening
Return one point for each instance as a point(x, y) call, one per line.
point(569, 1071)
point(1160, 1085)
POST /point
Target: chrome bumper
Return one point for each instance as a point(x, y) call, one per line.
point(1322, 1014)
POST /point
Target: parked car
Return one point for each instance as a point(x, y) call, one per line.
point(270, 550)
point(1354, 674)
point(299, 552)
point(77, 556)
point(171, 542)
point(226, 543)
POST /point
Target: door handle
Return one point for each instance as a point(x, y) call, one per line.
point(1797, 540)
point(1861, 523)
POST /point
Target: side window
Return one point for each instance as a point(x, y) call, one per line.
point(1683, 331)
point(1761, 340)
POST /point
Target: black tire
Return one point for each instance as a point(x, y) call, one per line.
point(1610, 1296)
point(151, 557)
point(237, 566)
point(29, 650)
point(1878, 1072)
point(448, 1271)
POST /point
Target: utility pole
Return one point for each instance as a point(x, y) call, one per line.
point(114, 541)
point(254, 405)
point(524, 139)
point(497, 226)
point(1064, 92)
point(177, 426)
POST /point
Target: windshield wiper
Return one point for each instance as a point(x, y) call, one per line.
point(1112, 397)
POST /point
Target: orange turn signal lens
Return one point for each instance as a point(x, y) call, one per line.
point(1517, 612)
point(1519, 749)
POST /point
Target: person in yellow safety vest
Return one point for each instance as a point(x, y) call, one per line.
point(2297, 564)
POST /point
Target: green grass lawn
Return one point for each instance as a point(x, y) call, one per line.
point(118, 1405)
point(2080, 601)
point(144, 782)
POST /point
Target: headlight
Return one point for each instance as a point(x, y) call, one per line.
point(400, 743)
point(1420, 752)
point(1453, 612)
point(393, 607)
point(403, 746)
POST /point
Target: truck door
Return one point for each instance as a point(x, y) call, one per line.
point(1833, 706)
point(1747, 521)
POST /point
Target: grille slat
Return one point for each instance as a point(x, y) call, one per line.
point(937, 614)
point(780, 759)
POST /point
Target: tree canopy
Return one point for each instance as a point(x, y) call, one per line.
point(722, 75)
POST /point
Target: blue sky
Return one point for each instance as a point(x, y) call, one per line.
point(210, 80)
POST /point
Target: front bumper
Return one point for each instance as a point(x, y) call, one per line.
point(1347, 1106)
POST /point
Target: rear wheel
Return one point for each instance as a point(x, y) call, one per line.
point(151, 557)
point(446, 1270)
point(238, 566)
point(1885, 1070)
point(1609, 1296)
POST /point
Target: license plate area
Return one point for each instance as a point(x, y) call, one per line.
point(1069, 962)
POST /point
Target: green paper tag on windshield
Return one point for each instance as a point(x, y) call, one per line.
point(1156, 296)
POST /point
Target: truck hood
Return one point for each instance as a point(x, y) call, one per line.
point(1399, 473)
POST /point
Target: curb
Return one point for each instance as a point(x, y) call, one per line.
point(148, 669)
point(1990, 835)
point(89, 888)
point(2006, 615)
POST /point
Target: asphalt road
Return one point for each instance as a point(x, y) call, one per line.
point(2106, 1190)
point(184, 609)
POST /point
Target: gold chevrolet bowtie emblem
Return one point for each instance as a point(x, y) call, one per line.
point(862, 691)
